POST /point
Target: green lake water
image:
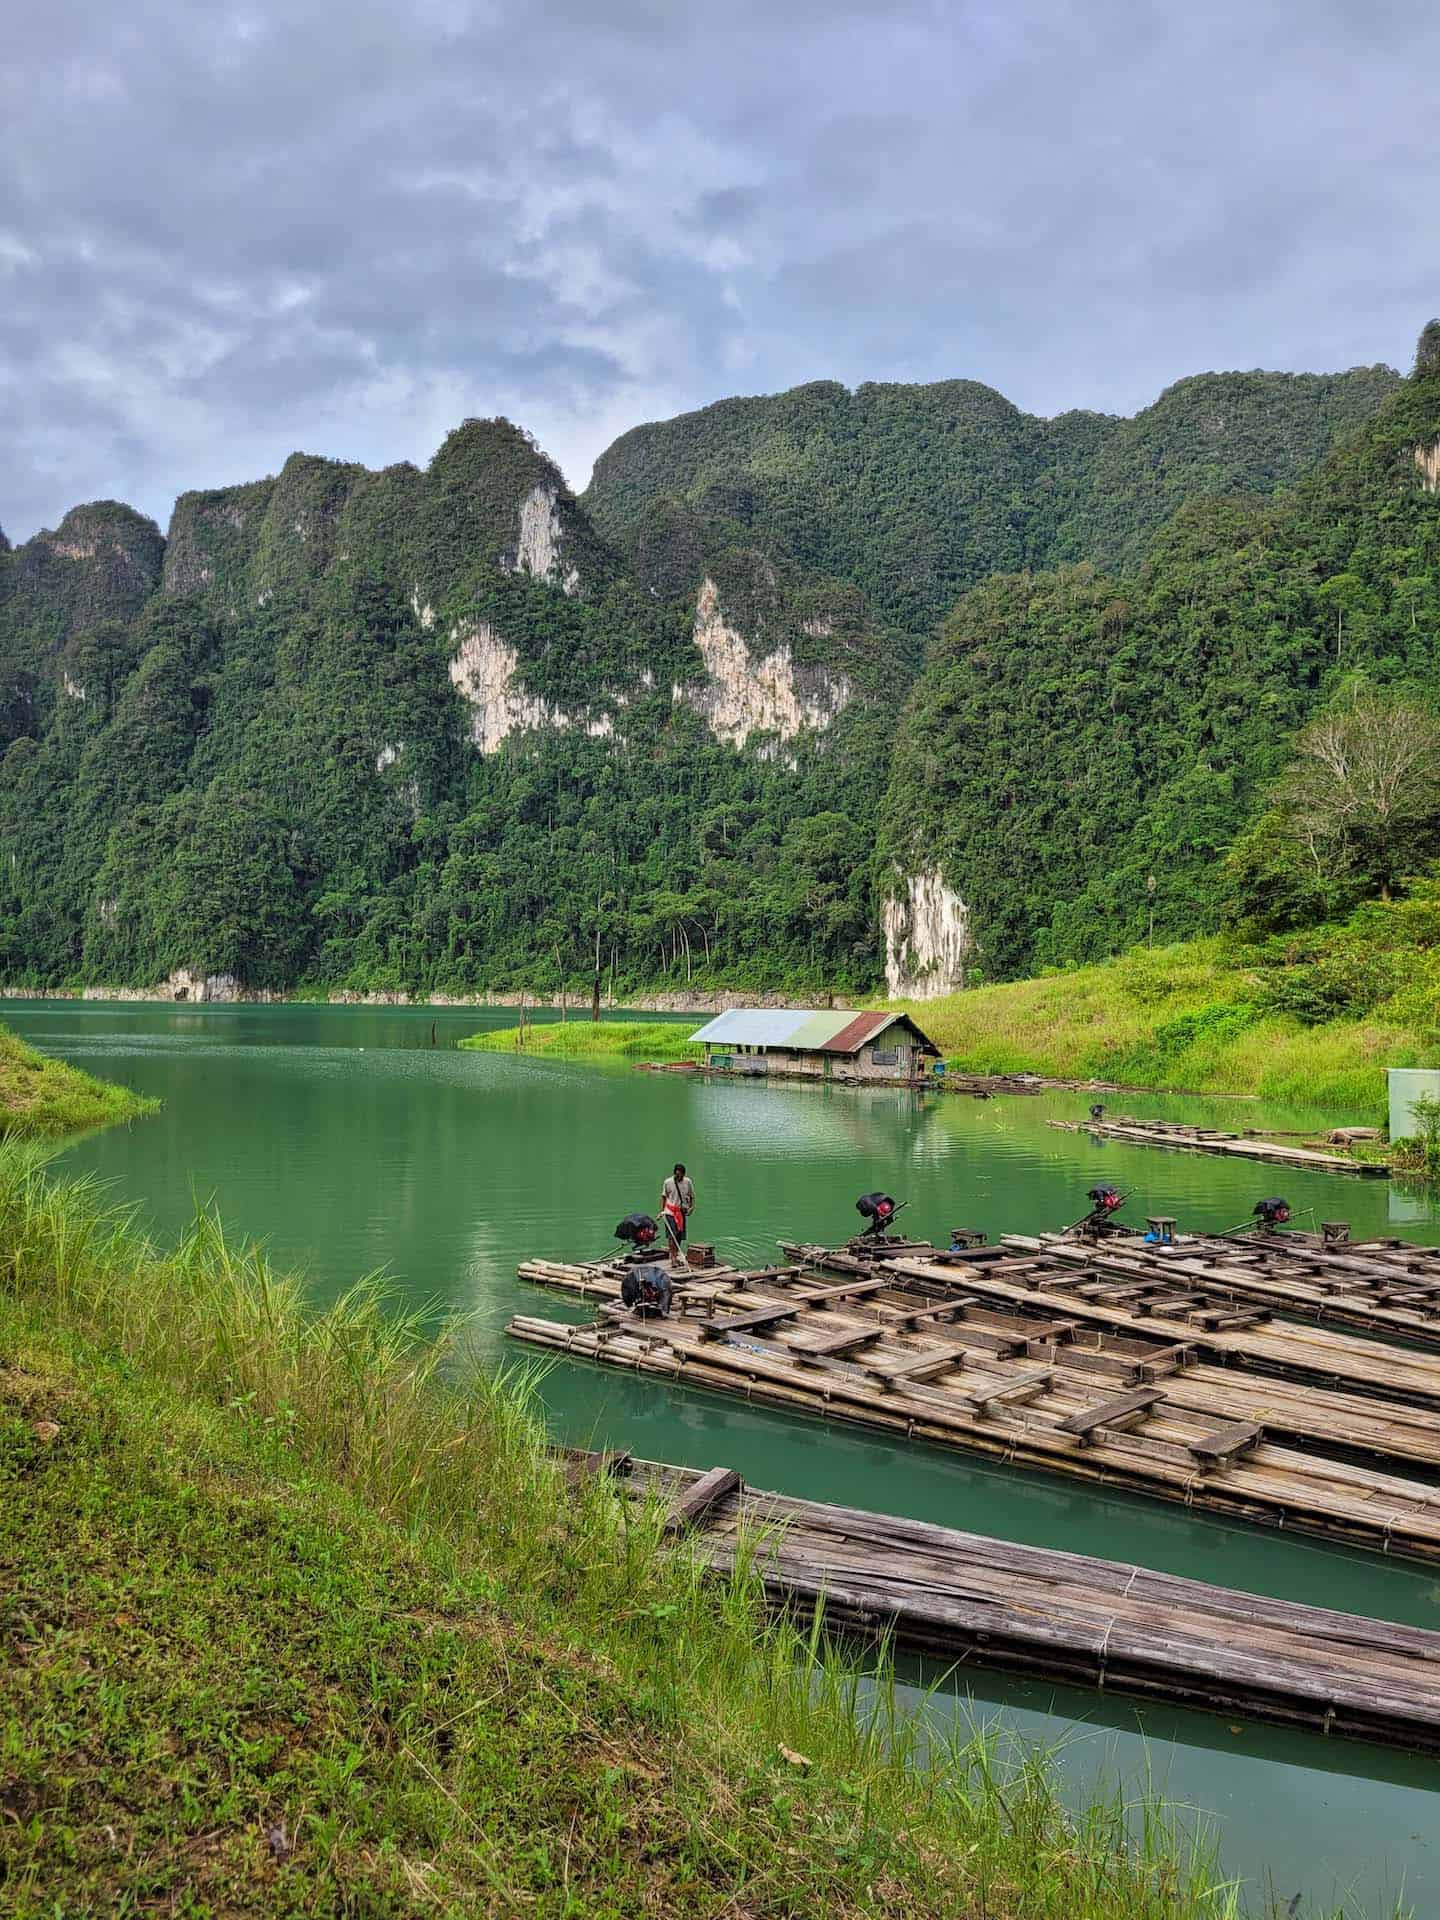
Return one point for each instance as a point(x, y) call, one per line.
point(347, 1142)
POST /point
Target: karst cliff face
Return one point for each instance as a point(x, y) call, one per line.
point(746, 692)
point(927, 939)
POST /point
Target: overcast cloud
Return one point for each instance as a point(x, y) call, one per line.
point(230, 231)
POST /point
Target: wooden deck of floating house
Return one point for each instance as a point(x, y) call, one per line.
point(1172, 1134)
point(966, 1597)
point(1031, 1388)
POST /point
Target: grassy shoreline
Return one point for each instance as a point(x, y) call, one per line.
point(44, 1099)
point(340, 1637)
point(1201, 1017)
point(584, 1039)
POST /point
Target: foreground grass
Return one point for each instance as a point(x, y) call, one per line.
point(44, 1099)
point(592, 1040)
point(296, 1623)
point(1189, 1017)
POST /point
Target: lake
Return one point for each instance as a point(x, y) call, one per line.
point(347, 1141)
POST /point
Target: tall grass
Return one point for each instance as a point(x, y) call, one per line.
point(360, 1396)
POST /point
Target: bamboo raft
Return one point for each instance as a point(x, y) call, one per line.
point(1076, 1280)
point(1171, 1133)
point(964, 1596)
point(1389, 1288)
point(1034, 1389)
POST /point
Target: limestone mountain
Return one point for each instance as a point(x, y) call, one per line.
point(451, 727)
point(427, 729)
point(914, 493)
point(1083, 747)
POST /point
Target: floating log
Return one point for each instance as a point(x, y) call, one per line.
point(990, 1396)
point(1072, 1617)
point(1169, 1133)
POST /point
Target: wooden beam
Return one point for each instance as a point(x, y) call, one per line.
point(697, 1500)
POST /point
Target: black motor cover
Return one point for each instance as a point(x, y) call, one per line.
point(637, 1227)
point(871, 1204)
point(646, 1290)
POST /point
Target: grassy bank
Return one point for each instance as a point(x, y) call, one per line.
point(1312, 1019)
point(43, 1099)
point(593, 1040)
point(301, 1619)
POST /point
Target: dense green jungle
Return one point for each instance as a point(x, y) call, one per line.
point(457, 729)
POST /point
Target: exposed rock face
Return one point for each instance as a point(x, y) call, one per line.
point(73, 688)
point(538, 552)
point(483, 670)
point(927, 939)
point(744, 695)
point(1427, 459)
point(186, 984)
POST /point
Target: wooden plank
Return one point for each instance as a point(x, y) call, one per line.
point(1110, 1413)
point(693, 1505)
point(831, 1345)
point(1226, 1442)
point(925, 1366)
point(745, 1322)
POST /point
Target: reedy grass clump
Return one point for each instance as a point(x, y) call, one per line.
point(861, 1807)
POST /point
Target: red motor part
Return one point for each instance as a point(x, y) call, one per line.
point(1272, 1212)
point(1106, 1199)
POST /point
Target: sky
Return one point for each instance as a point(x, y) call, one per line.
point(231, 231)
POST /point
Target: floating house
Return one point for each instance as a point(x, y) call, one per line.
point(843, 1046)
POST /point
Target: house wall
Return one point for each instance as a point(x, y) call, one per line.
point(887, 1059)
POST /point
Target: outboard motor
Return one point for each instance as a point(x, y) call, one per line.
point(646, 1291)
point(877, 1210)
point(638, 1229)
point(1104, 1201)
point(1271, 1214)
point(1097, 1111)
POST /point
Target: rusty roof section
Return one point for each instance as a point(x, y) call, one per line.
point(868, 1026)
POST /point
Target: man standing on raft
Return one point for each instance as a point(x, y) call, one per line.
point(677, 1203)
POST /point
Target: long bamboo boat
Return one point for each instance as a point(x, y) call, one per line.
point(968, 1597)
point(1385, 1288)
point(1099, 1407)
point(1032, 1276)
point(1389, 1290)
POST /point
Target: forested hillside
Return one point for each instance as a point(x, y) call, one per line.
point(1083, 749)
point(454, 729)
point(917, 492)
point(424, 730)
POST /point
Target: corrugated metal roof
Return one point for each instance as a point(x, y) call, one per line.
point(773, 1027)
point(858, 1029)
point(806, 1030)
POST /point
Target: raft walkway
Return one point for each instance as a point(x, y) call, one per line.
point(967, 1597)
point(1174, 1134)
point(1037, 1388)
